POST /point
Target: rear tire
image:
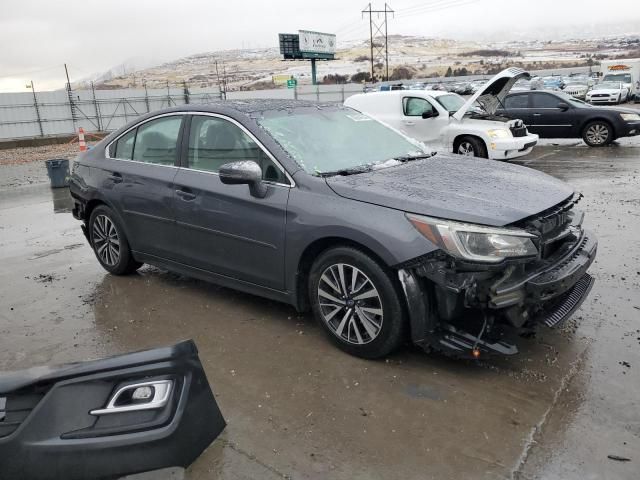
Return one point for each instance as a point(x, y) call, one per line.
point(597, 133)
point(357, 302)
point(470, 147)
point(109, 242)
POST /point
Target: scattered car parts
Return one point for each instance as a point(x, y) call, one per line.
point(107, 418)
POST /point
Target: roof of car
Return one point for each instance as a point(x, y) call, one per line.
point(249, 106)
point(404, 93)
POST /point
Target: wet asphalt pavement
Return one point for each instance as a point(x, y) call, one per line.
point(297, 407)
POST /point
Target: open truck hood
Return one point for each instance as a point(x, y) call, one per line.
point(458, 188)
point(492, 94)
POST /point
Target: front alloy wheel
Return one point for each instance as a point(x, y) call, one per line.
point(466, 149)
point(350, 304)
point(357, 301)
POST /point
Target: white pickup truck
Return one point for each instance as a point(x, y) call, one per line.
point(447, 121)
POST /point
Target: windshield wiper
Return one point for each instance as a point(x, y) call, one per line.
point(347, 171)
point(409, 158)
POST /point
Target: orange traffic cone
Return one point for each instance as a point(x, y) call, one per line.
point(81, 142)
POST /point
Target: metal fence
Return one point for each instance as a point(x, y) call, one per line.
point(62, 112)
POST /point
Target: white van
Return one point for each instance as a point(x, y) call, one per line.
point(626, 71)
point(447, 121)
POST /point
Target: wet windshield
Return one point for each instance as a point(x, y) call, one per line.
point(617, 77)
point(323, 141)
point(451, 102)
point(606, 86)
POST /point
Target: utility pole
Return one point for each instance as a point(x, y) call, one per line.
point(35, 105)
point(376, 27)
point(70, 96)
point(95, 106)
point(223, 93)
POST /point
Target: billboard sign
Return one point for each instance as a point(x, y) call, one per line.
point(316, 42)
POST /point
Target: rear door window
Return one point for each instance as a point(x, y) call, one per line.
point(157, 141)
point(516, 101)
point(544, 100)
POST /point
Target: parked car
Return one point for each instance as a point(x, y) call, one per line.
point(449, 122)
point(558, 115)
point(576, 89)
point(324, 208)
point(552, 83)
point(608, 92)
point(521, 85)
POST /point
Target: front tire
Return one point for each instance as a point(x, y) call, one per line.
point(109, 242)
point(597, 133)
point(470, 147)
point(357, 302)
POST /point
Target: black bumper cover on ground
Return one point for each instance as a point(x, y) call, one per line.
point(47, 432)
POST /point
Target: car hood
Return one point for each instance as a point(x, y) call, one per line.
point(605, 90)
point(457, 188)
point(491, 95)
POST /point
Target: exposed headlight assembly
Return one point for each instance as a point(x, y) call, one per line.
point(630, 117)
point(475, 242)
point(499, 133)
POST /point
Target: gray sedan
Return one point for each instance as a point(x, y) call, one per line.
point(324, 208)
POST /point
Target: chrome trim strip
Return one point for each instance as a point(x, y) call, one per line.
point(161, 394)
point(209, 114)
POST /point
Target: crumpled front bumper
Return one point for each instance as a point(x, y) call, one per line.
point(549, 281)
point(514, 147)
point(460, 310)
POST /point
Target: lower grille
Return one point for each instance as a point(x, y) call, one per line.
point(569, 302)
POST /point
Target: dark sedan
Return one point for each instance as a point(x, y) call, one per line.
point(324, 208)
point(558, 115)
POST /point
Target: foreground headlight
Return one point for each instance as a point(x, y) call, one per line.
point(499, 133)
point(475, 242)
point(630, 117)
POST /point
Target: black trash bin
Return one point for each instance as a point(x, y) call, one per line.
point(58, 170)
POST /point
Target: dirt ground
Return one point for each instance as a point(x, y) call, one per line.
point(298, 408)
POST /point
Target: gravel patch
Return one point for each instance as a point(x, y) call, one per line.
point(25, 165)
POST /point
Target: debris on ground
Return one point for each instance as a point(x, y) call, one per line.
point(618, 458)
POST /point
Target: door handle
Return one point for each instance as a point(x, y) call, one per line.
point(115, 177)
point(537, 114)
point(409, 122)
point(186, 196)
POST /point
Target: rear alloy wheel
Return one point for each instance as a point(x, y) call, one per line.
point(110, 243)
point(597, 134)
point(470, 147)
point(356, 302)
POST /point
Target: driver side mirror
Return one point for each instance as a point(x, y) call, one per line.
point(244, 172)
point(563, 106)
point(429, 114)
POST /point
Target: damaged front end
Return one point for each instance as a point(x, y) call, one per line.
point(467, 307)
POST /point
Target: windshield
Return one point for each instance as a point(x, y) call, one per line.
point(451, 102)
point(323, 141)
point(607, 85)
point(617, 77)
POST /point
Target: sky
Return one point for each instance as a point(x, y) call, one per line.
point(38, 37)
